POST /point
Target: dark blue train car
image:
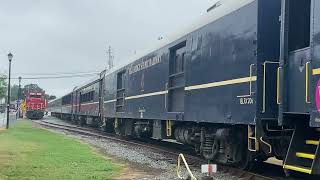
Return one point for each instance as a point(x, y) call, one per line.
point(240, 85)
point(204, 81)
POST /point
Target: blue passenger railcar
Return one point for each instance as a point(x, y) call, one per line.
point(239, 86)
point(214, 74)
point(209, 72)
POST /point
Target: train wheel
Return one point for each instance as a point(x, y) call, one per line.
point(109, 125)
point(246, 162)
point(82, 121)
point(74, 119)
point(119, 127)
point(101, 124)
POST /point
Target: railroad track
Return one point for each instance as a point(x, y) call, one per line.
point(193, 161)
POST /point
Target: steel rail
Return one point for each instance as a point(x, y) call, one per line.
point(194, 161)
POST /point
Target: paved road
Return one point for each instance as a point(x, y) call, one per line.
point(3, 119)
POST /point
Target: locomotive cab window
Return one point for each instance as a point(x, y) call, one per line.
point(35, 96)
point(299, 24)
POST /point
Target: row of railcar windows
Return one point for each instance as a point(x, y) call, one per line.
point(87, 97)
point(66, 100)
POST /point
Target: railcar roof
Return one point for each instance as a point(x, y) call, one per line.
point(55, 99)
point(86, 83)
point(225, 7)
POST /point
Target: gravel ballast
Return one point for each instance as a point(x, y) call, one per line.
point(140, 162)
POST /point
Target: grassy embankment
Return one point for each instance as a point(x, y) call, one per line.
point(32, 153)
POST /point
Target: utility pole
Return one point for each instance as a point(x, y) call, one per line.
point(110, 58)
point(19, 98)
point(19, 91)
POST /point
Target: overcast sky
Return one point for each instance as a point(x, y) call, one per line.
point(70, 36)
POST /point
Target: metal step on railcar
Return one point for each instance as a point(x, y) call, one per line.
point(304, 153)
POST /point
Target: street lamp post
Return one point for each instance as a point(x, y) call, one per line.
point(10, 56)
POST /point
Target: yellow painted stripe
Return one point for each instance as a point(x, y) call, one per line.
point(83, 104)
point(209, 85)
point(316, 71)
point(222, 83)
point(312, 142)
point(305, 155)
point(147, 95)
point(110, 101)
point(299, 169)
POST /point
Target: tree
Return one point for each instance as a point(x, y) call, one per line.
point(31, 88)
point(3, 86)
point(52, 97)
point(14, 92)
point(34, 88)
point(24, 91)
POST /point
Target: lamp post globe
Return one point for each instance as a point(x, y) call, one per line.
point(10, 56)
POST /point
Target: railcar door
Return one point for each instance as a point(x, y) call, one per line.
point(176, 81)
point(79, 101)
point(120, 91)
point(72, 103)
point(295, 57)
point(270, 94)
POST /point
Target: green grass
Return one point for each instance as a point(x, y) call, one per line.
point(32, 153)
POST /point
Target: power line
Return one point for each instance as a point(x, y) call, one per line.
point(58, 77)
point(60, 73)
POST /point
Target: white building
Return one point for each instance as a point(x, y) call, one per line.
point(2, 101)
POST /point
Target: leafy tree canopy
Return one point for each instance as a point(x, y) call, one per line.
point(26, 89)
point(3, 86)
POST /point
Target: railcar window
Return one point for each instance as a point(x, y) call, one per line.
point(91, 95)
point(120, 80)
point(182, 62)
point(299, 24)
point(87, 97)
point(178, 62)
point(66, 100)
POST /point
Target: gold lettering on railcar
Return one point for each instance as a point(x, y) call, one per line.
point(246, 101)
point(145, 64)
